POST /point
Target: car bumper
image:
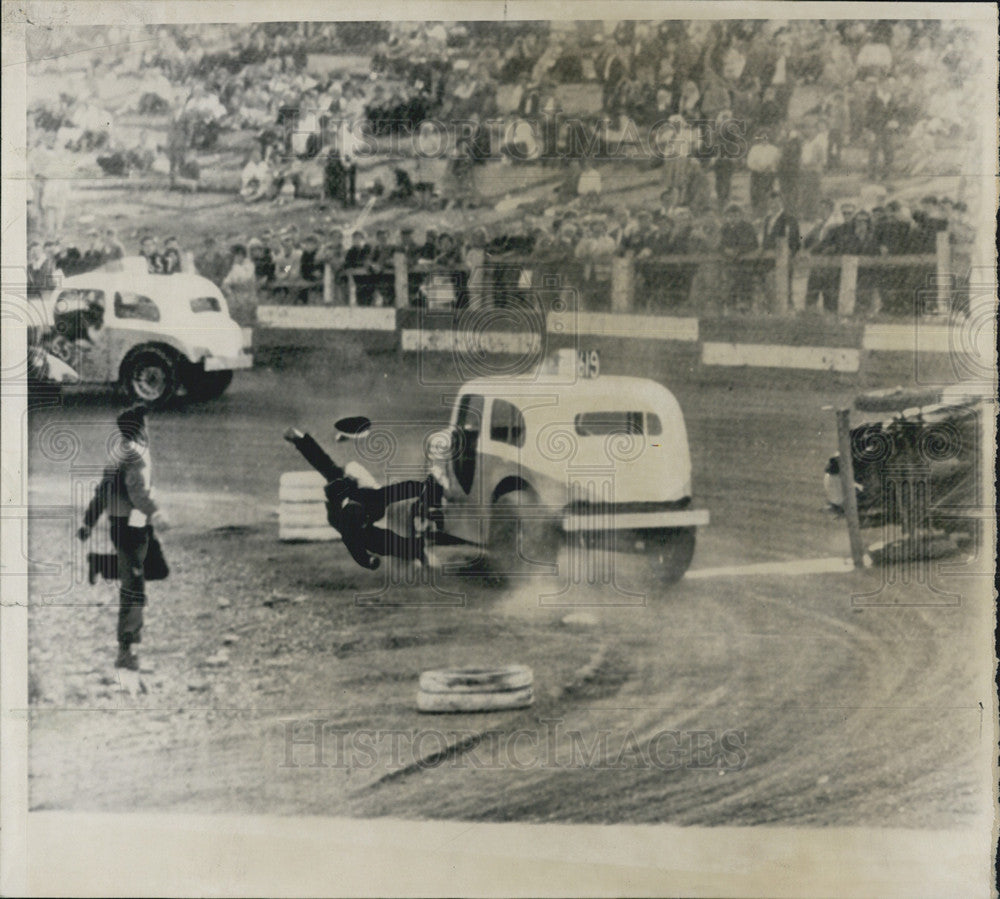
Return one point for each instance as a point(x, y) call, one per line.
point(635, 521)
point(228, 363)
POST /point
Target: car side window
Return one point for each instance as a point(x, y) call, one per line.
point(136, 306)
point(506, 423)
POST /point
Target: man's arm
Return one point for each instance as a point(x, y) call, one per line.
point(138, 486)
point(98, 502)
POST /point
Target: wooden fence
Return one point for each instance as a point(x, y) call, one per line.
point(790, 281)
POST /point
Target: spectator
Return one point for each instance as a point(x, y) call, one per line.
point(263, 262)
point(789, 167)
point(69, 260)
point(211, 263)
point(256, 180)
point(172, 256)
point(762, 161)
point(311, 267)
point(335, 179)
point(737, 239)
point(381, 266)
point(822, 281)
point(408, 246)
point(240, 286)
point(721, 151)
point(929, 220)
point(640, 237)
point(93, 256)
point(596, 251)
point(154, 260)
point(780, 226)
point(113, 250)
point(333, 253)
point(287, 259)
point(428, 251)
point(356, 268)
point(52, 197)
point(679, 277)
point(40, 270)
point(880, 122)
point(813, 162)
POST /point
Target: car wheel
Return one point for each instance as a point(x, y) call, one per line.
point(208, 385)
point(150, 377)
point(672, 551)
point(521, 542)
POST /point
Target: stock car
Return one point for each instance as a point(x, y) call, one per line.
point(568, 454)
point(915, 460)
point(154, 336)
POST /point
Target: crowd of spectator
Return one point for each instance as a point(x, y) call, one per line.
point(721, 256)
point(702, 100)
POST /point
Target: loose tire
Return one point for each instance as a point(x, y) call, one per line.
point(477, 680)
point(150, 377)
point(672, 551)
point(475, 702)
point(476, 689)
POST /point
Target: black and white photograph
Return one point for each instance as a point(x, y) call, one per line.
point(499, 449)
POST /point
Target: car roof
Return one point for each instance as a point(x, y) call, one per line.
point(616, 389)
point(151, 285)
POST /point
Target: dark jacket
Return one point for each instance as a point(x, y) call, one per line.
point(785, 226)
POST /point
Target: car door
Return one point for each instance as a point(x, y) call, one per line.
point(465, 468)
point(81, 334)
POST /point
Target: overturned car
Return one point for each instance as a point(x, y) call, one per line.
point(915, 468)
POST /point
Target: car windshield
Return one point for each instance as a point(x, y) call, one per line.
point(596, 424)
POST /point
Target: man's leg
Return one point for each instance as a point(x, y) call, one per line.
point(314, 454)
point(132, 544)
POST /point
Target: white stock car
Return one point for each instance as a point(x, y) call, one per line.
point(155, 336)
point(602, 460)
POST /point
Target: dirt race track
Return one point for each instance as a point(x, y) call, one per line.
point(732, 698)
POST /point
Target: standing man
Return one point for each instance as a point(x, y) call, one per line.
point(762, 161)
point(133, 513)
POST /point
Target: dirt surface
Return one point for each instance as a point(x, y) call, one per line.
point(730, 699)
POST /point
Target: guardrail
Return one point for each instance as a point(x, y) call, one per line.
point(610, 285)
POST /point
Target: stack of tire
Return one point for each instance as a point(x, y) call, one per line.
point(476, 689)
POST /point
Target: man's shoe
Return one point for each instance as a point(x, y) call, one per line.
point(127, 660)
point(293, 434)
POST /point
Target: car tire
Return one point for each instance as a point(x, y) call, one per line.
point(208, 385)
point(672, 552)
point(150, 377)
point(475, 702)
point(477, 680)
point(535, 553)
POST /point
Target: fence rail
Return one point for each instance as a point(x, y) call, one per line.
point(610, 285)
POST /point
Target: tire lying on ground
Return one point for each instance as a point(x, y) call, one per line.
point(476, 689)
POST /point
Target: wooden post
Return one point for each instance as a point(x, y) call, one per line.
point(943, 273)
point(475, 259)
point(847, 485)
point(402, 280)
point(327, 284)
point(848, 285)
point(781, 264)
point(622, 284)
point(800, 282)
